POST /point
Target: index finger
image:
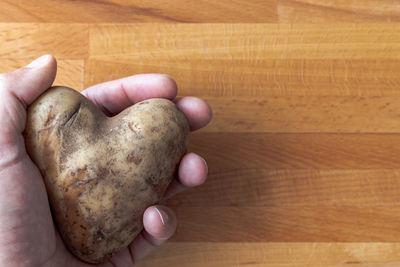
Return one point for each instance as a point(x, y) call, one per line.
point(114, 96)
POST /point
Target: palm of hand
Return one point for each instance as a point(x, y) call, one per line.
point(28, 236)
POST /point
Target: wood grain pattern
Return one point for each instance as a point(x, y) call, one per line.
point(298, 187)
point(315, 11)
point(232, 151)
point(259, 78)
point(115, 11)
point(289, 224)
point(244, 41)
point(65, 41)
point(71, 74)
point(304, 114)
point(272, 254)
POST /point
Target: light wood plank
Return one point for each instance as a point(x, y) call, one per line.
point(69, 72)
point(275, 254)
point(115, 11)
point(316, 11)
point(266, 77)
point(237, 151)
point(304, 114)
point(288, 224)
point(245, 41)
point(263, 187)
point(30, 40)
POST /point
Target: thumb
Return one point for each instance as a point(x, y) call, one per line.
point(29, 82)
point(20, 88)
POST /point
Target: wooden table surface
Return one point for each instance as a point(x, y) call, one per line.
point(304, 147)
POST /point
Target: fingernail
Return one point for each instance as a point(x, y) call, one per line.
point(163, 215)
point(41, 61)
point(205, 163)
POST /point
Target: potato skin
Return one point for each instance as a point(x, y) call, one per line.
point(101, 173)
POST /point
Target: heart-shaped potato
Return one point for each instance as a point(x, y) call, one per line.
point(100, 172)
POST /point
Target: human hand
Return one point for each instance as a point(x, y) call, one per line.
point(28, 236)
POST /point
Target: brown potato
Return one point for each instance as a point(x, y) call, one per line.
point(101, 173)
